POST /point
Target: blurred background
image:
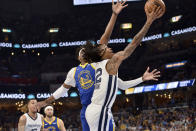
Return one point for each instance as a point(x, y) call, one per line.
point(38, 40)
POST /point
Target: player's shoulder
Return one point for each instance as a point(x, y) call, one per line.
point(103, 62)
point(40, 115)
point(72, 70)
point(59, 120)
point(23, 117)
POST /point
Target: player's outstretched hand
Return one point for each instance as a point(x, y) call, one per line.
point(40, 105)
point(120, 4)
point(154, 75)
point(155, 14)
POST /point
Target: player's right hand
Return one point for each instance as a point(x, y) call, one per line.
point(155, 14)
point(40, 105)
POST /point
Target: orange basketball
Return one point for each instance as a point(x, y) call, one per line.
point(151, 4)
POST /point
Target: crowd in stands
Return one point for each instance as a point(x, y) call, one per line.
point(161, 119)
point(179, 119)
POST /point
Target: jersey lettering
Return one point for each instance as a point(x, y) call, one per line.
point(98, 75)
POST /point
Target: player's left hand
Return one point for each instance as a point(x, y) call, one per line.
point(117, 8)
point(154, 75)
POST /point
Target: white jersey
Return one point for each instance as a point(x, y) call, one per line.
point(33, 124)
point(98, 113)
point(105, 86)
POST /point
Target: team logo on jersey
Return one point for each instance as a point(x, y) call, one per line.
point(85, 79)
point(51, 128)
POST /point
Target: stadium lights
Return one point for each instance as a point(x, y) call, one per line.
point(175, 18)
point(176, 64)
point(12, 53)
point(126, 26)
point(53, 30)
point(127, 99)
point(6, 30)
point(38, 54)
point(23, 51)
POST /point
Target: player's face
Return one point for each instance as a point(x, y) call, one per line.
point(106, 52)
point(80, 58)
point(32, 106)
point(49, 112)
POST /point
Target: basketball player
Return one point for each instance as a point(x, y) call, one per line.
point(98, 113)
point(52, 123)
point(86, 72)
point(86, 88)
point(31, 121)
point(85, 84)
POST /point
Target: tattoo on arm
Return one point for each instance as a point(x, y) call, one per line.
point(136, 40)
point(108, 31)
point(49, 100)
point(114, 63)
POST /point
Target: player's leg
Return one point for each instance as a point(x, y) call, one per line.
point(92, 116)
point(108, 122)
point(111, 125)
point(85, 126)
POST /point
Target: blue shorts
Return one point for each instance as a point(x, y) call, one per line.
point(111, 125)
point(85, 126)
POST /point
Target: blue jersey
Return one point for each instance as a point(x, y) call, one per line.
point(51, 126)
point(84, 78)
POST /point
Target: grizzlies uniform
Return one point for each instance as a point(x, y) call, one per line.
point(33, 124)
point(51, 126)
point(98, 113)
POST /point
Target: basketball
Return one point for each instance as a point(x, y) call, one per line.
point(151, 4)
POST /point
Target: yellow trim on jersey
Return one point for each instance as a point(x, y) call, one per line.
point(113, 127)
point(58, 122)
point(74, 73)
point(83, 66)
point(51, 121)
point(43, 124)
point(92, 66)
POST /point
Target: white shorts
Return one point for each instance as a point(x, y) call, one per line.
point(99, 118)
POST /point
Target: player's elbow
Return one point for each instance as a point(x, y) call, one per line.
point(66, 86)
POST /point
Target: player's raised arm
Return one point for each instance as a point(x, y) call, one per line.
point(62, 90)
point(154, 75)
point(22, 123)
point(116, 9)
point(114, 63)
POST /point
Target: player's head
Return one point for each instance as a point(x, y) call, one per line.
point(49, 111)
point(32, 105)
point(79, 54)
point(105, 51)
point(90, 52)
point(96, 53)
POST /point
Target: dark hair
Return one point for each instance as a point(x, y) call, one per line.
point(30, 100)
point(77, 52)
point(91, 52)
